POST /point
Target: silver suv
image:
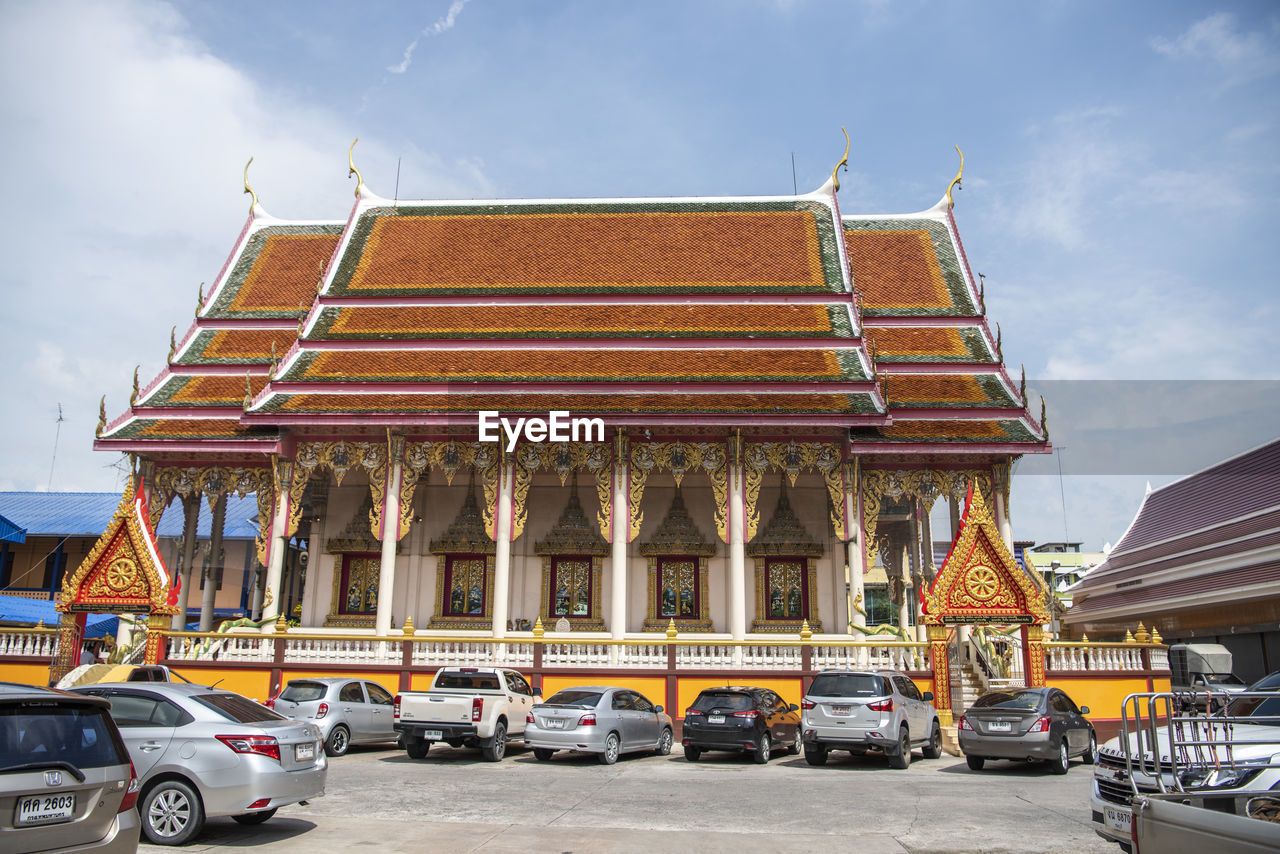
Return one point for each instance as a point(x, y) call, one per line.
point(859, 710)
point(66, 782)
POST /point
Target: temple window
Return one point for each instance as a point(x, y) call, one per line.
point(571, 555)
point(359, 584)
point(464, 570)
point(786, 575)
point(677, 554)
point(356, 573)
point(571, 586)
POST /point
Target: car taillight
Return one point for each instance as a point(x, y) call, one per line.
point(529, 718)
point(1042, 725)
point(753, 714)
point(807, 704)
point(395, 708)
point(477, 708)
point(690, 713)
point(270, 703)
point(882, 706)
point(587, 720)
point(263, 745)
point(964, 724)
point(322, 711)
point(130, 799)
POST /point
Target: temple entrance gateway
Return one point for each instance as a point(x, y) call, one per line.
point(980, 584)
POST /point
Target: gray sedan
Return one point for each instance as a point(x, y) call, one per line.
point(348, 711)
point(1027, 723)
point(597, 719)
point(202, 752)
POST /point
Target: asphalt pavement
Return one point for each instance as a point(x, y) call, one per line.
point(454, 801)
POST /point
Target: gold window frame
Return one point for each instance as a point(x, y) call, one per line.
point(763, 622)
point(440, 620)
point(593, 622)
point(654, 623)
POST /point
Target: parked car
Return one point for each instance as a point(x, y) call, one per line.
point(597, 719)
point(348, 711)
point(751, 720)
point(1027, 724)
point(480, 707)
point(65, 777)
point(202, 752)
point(858, 711)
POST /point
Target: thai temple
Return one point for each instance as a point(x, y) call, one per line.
point(609, 416)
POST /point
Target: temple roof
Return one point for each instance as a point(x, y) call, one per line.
point(699, 311)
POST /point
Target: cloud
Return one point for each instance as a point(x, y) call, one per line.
point(440, 26)
point(1216, 39)
point(126, 138)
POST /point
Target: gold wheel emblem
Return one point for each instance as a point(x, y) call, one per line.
point(982, 583)
point(121, 575)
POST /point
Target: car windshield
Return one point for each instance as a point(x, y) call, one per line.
point(302, 692)
point(1225, 680)
point(1267, 682)
point(1026, 701)
point(39, 733)
point(468, 681)
point(233, 707)
point(1264, 711)
point(725, 700)
point(585, 699)
point(848, 685)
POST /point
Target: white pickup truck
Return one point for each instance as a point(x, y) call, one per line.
point(465, 707)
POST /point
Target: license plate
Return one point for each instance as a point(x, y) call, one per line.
point(46, 809)
point(433, 735)
point(303, 752)
point(1000, 726)
point(715, 719)
point(842, 709)
point(555, 723)
point(1117, 819)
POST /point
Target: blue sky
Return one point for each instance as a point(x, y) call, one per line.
point(1121, 178)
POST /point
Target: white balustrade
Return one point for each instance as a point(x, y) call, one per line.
point(29, 643)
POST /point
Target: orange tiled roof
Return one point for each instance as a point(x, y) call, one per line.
point(578, 365)
point(277, 270)
point(935, 390)
point(584, 321)
point(906, 267)
point(908, 431)
point(218, 390)
point(928, 344)
point(238, 346)
point(188, 428)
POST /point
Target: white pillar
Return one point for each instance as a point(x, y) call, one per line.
point(390, 538)
point(855, 555)
point(737, 553)
point(215, 563)
point(904, 608)
point(190, 522)
point(618, 568)
point(502, 560)
point(1002, 520)
point(275, 561)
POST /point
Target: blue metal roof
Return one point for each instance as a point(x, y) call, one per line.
point(11, 533)
point(86, 514)
point(23, 611)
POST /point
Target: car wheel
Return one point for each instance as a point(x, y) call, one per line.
point(664, 743)
point(815, 755)
point(497, 746)
point(901, 758)
point(338, 741)
point(255, 817)
point(933, 750)
point(692, 753)
point(542, 754)
point(171, 813)
point(796, 744)
point(1060, 764)
point(975, 762)
point(611, 748)
point(416, 748)
point(1091, 751)
point(761, 754)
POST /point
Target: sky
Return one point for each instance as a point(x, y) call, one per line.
point(1121, 179)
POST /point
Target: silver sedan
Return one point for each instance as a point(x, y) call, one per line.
point(598, 719)
point(348, 711)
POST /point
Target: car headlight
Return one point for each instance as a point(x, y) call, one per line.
point(1240, 774)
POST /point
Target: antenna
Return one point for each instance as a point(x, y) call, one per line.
point(795, 189)
point(397, 195)
point(56, 434)
point(1058, 449)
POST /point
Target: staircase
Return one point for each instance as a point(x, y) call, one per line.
point(970, 688)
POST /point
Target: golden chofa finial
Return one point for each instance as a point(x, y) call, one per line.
point(351, 167)
point(173, 342)
point(955, 182)
point(253, 197)
point(133, 398)
point(248, 392)
point(200, 300)
point(844, 161)
point(1044, 419)
point(102, 417)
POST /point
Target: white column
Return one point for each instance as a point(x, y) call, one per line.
point(215, 563)
point(1002, 520)
point(618, 568)
point(904, 609)
point(737, 553)
point(502, 560)
point(275, 561)
point(190, 521)
point(390, 538)
point(855, 555)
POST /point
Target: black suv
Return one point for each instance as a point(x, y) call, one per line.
point(751, 720)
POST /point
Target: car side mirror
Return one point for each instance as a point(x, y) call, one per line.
point(928, 696)
point(793, 707)
point(657, 709)
point(1084, 710)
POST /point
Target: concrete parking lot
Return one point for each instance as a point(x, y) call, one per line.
point(453, 801)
